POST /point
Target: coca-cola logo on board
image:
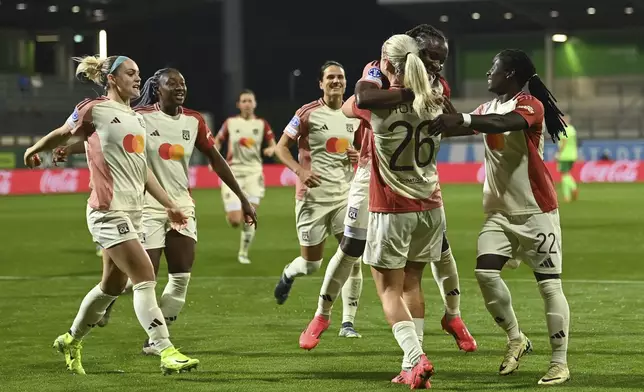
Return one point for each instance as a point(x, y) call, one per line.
point(59, 181)
point(5, 182)
point(288, 177)
point(618, 171)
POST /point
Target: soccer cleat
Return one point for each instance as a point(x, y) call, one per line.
point(421, 373)
point(456, 327)
point(106, 316)
point(172, 361)
point(149, 349)
point(282, 289)
point(243, 259)
point(557, 373)
point(515, 350)
point(348, 331)
point(310, 337)
point(404, 377)
point(71, 349)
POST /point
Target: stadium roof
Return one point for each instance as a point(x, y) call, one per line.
point(82, 13)
point(499, 16)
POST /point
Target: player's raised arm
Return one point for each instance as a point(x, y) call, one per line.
point(369, 93)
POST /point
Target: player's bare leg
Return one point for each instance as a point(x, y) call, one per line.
point(498, 302)
point(390, 287)
point(236, 220)
point(558, 321)
point(445, 274)
point(309, 262)
point(343, 274)
point(180, 255)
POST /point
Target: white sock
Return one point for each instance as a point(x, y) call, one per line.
point(405, 334)
point(351, 293)
point(174, 296)
point(150, 316)
point(419, 325)
point(247, 235)
point(301, 267)
point(498, 301)
point(90, 312)
point(446, 277)
point(557, 318)
point(336, 275)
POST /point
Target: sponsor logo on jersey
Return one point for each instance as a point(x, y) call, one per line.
point(247, 142)
point(123, 228)
point(186, 134)
point(134, 144)
point(337, 145)
point(171, 152)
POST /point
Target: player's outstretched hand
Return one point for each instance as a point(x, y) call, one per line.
point(448, 107)
point(444, 122)
point(178, 220)
point(353, 154)
point(308, 178)
point(269, 152)
point(250, 215)
point(32, 159)
point(60, 155)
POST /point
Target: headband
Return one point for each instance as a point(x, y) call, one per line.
point(119, 60)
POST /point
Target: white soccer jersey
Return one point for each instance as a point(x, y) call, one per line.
point(403, 176)
point(171, 142)
point(323, 136)
point(115, 148)
point(517, 181)
point(245, 139)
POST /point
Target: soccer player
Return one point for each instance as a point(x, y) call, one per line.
point(246, 135)
point(325, 137)
point(520, 201)
point(566, 156)
point(434, 52)
point(115, 138)
point(406, 218)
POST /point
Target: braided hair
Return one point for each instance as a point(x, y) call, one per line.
point(525, 72)
point(149, 92)
point(424, 34)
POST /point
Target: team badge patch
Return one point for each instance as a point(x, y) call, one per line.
point(349, 127)
point(375, 73)
point(353, 213)
point(255, 131)
point(295, 122)
point(75, 115)
point(186, 134)
point(123, 228)
point(305, 235)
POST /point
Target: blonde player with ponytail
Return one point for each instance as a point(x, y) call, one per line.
point(406, 217)
point(115, 139)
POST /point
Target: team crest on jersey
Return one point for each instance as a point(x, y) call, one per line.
point(255, 131)
point(305, 236)
point(141, 121)
point(353, 213)
point(123, 228)
point(349, 127)
point(186, 134)
point(237, 131)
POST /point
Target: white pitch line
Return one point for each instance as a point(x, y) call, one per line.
point(520, 280)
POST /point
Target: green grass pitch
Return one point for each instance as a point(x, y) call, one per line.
point(248, 343)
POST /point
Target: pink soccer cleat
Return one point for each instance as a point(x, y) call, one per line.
point(404, 377)
point(456, 327)
point(310, 338)
point(421, 373)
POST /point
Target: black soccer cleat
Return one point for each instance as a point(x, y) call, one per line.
point(282, 289)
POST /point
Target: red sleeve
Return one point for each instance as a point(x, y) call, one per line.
point(222, 134)
point(81, 120)
point(447, 92)
point(531, 109)
point(362, 114)
point(372, 74)
point(268, 132)
point(204, 141)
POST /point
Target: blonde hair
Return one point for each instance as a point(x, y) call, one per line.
point(94, 69)
point(402, 52)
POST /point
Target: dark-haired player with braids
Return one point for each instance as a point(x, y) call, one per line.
point(246, 135)
point(326, 139)
point(173, 132)
point(520, 201)
point(372, 92)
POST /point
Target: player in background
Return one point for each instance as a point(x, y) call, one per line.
point(566, 156)
point(372, 93)
point(520, 201)
point(173, 134)
point(406, 218)
point(325, 138)
point(246, 135)
point(115, 138)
